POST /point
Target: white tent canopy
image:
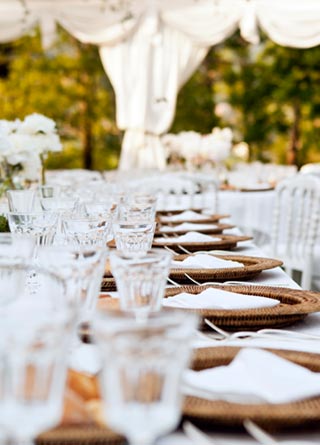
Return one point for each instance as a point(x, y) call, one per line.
point(149, 48)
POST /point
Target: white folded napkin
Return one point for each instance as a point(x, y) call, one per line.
point(188, 226)
point(219, 299)
point(190, 237)
point(188, 215)
point(204, 261)
point(254, 376)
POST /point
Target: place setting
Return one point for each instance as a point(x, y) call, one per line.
point(202, 267)
point(195, 241)
point(189, 227)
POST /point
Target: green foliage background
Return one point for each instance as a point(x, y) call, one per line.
point(272, 94)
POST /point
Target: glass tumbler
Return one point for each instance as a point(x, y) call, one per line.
point(137, 207)
point(34, 335)
point(84, 265)
point(41, 226)
point(87, 230)
point(21, 200)
point(142, 365)
point(141, 280)
point(133, 237)
point(14, 250)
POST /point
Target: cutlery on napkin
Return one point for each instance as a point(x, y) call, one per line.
point(254, 376)
point(218, 299)
point(190, 237)
point(203, 261)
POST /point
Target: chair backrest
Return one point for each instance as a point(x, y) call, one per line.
point(311, 169)
point(296, 220)
point(207, 186)
point(172, 191)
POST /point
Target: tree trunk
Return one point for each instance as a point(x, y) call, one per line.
point(294, 143)
point(87, 143)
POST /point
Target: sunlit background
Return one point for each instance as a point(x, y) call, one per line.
point(269, 95)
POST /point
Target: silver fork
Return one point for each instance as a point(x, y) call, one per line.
point(262, 333)
point(265, 438)
point(197, 436)
point(241, 283)
point(178, 245)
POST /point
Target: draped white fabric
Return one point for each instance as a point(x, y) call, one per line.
point(149, 48)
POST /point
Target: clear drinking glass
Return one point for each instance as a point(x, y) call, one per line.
point(84, 265)
point(49, 191)
point(86, 229)
point(133, 237)
point(21, 200)
point(141, 373)
point(34, 334)
point(40, 225)
point(141, 280)
point(58, 204)
point(16, 249)
point(137, 207)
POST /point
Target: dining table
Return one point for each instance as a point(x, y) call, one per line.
point(85, 360)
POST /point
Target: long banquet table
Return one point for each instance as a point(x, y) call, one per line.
point(84, 360)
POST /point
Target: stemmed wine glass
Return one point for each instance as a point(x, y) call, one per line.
point(35, 331)
point(142, 365)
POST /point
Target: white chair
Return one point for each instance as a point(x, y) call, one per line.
point(172, 191)
point(311, 169)
point(207, 186)
point(295, 225)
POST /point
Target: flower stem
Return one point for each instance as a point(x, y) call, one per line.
point(43, 169)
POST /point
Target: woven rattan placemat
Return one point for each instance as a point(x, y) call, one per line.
point(252, 266)
point(225, 242)
point(80, 435)
point(304, 413)
point(294, 306)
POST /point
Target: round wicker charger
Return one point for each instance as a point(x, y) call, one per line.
point(294, 306)
point(225, 242)
point(304, 413)
point(108, 284)
point(207, 219)
point(218, 229)
point(80, 435)
point(252, 266)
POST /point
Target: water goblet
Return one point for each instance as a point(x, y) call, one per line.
point(133, 237)
point(21, 200)
point(49, 191)
point(84, 267)
point(137, 207)
point(39, 225)
point(86, 229)
point(141, 280)
point(34, 334)
point(16, 249)
point(142, 365)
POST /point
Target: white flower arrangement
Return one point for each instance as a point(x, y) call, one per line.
point(195, 149)
point(24, 146)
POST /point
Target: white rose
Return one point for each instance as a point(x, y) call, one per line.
point(223, 133)
point(5, 144)
point(171, 143)
point(215, 147)
point(10, 126)
point(31, 167)
point(190, 143)
point(37, 123)
point(22, 147)
point(46, 142)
